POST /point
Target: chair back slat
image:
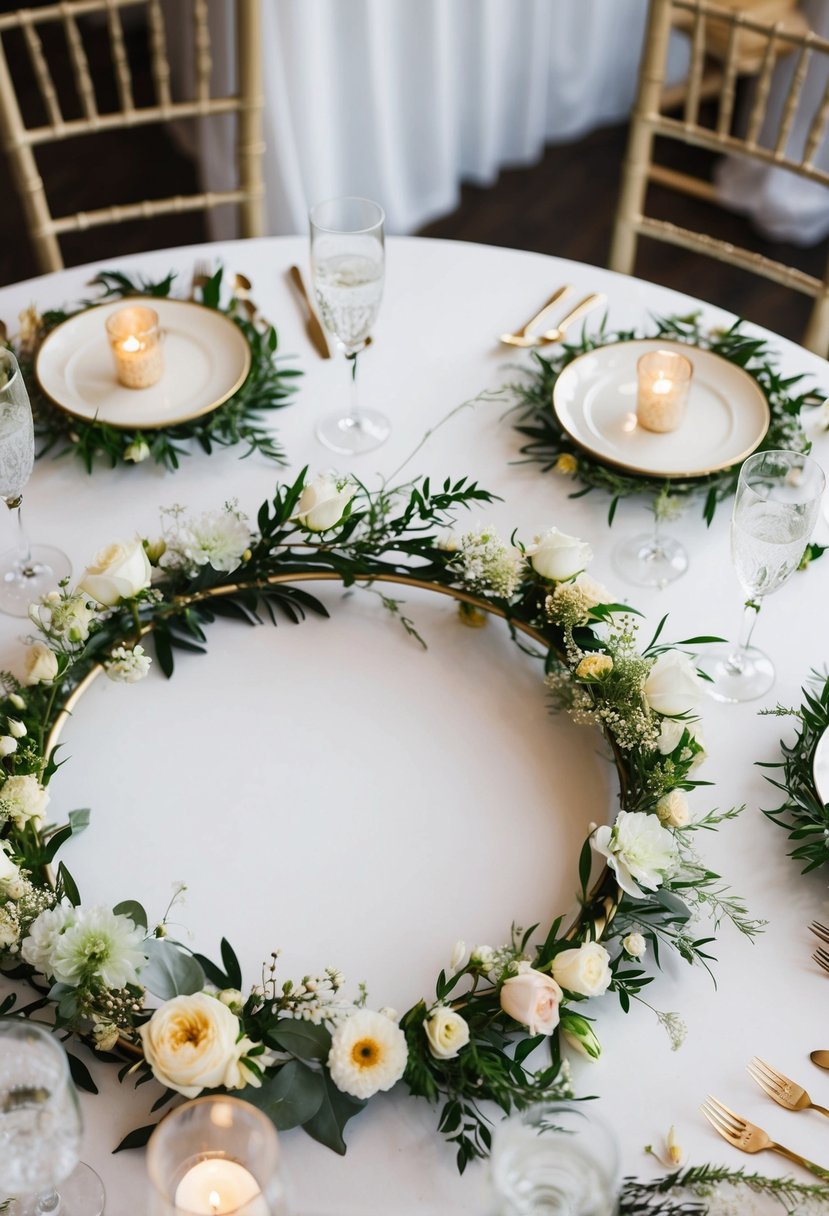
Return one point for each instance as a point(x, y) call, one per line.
point(727, 43)
point(159, 62)
point(120, 59)
point(80, 65)
point(43, 76)
point(203, 59)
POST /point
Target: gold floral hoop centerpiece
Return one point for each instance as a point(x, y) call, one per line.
point(301, 1050)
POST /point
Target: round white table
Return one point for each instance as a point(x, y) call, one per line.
point(207, 780)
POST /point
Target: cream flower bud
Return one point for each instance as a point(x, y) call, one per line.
point(580, 1034)
point(155, 549)
point(533, 999)
point(594, 667)
point(18, 729)
point(8, 745)
point(390, 1013)
point(584, 970)
point(16, 700)
point(458, 955)
point(137, 451)
point(673, 809)
point(634, 945)
point(231, 997)
point(557, 556)
point(447, 1032)
point(41, 665)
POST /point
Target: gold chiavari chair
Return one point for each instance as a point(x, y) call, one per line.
point(79, 113)
point(762, 136)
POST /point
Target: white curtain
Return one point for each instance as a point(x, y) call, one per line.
point(401, 100)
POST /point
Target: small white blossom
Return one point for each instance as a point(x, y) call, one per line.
point(216, 538)
point(486, 563)
point(127, 666)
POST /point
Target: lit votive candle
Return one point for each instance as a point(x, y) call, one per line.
point(216, 1186)
point(664, 381)
point(135, 339)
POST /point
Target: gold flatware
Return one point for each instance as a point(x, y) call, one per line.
point(201, 276)
point(581, 310)
point(819, 930)
point(523, 336)
point(821, 957)
point(821, 1058)
point(748, 1137)
point(313, 328)
point(781, 1089)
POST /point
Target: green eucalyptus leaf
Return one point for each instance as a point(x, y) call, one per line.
point(169, 970)
point(290, 1098)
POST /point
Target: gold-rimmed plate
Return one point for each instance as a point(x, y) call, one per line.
point(727, 417)
point(821, 767)
point(206, 360)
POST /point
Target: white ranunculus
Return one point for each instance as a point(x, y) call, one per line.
point(23, 799)
point(673, 685)
point(673, 809)
point(8, 745)
point(557, 556)
point(41, 665)
point(533, 999)
point(192, 1043)
point(585, 970)
point(639, 850)
point(118, 573)
point(12, 882)
point(634, 945)
point(368, 1054)
point(323, 503)
point(594, 593)
point(447, 1033)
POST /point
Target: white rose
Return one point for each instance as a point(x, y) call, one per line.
point(557, 556)
point(585, 970)
point(323, 503)
point(41, 664)
point(638, 849)
point(18, 729)
point(447, 1033)
point(673, 809)
point(24, 799)
point(673, 686)
point(118, 573)
point(7, 745)
point(593, 592)
point(12, 882)
point(533, 999)
point(190, 1043)
point(634, 945)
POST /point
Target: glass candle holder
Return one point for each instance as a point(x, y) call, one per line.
point(664, 379)
point(135, 339)
point(215, 1156)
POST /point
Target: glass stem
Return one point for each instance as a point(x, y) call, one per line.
point(354, 412)
point(48, 1204)
point(24, 550)
point(738, 656)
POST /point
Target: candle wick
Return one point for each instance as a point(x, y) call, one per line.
point(215, 1201)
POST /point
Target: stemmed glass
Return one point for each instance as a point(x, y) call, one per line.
point(347, 268)
point(28, 571)
point(40, 1127)
point(650, 559)
point(775, 509)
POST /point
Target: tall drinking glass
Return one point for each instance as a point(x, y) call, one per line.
point(347, 268)
point(28, 571)
point(775, 509)
point(40, 1128)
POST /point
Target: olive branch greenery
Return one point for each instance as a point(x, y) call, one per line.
point(397, 535)
point(239, 420)
point(549, 445)
point(803, 814)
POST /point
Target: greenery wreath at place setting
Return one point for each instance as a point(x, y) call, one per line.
point(548, 444)
point(300, 1050)
point(240, 419)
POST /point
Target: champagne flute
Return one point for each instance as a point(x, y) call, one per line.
point(775, 509)
point(650, 559)
point(347, 267)
point(40, 1127)
point(28, 571)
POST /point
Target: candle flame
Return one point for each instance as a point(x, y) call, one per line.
point(215, 1201)
point(131, 343)
point(663, 385)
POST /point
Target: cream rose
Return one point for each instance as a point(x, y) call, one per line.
point(323, 503)
point(594, 667)
point(41, 665)
point(447, 1033)
point(673, 809)
point(532, 998)
point(118, 573)
point(673, 686)
point(557, 556)
point(585, 970)
point(192, 1043)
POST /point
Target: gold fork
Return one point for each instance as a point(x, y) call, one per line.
point(819, 930)
point(748, 1137)
point(821, 957)
point(780, 1089)
point(201, 275)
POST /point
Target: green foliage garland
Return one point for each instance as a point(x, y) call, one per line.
point(803, 815)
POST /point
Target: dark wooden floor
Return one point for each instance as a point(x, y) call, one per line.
point(563, 205)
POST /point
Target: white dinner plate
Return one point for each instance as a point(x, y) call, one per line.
point(206, 359)
point(726, 418)
point(821, 767)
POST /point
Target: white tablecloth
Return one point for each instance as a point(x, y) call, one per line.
point(357, 709)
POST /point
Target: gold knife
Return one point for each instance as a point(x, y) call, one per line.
point(313, 328)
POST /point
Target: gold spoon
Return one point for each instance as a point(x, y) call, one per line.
point(555, 335)
point(522, 336)
point(821, 1058)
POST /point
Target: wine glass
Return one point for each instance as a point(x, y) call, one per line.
point(650, 559)
point(775, 509)
point(40, 1127)
point(215, 1156)
point(28, 571)
point(347, 267)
